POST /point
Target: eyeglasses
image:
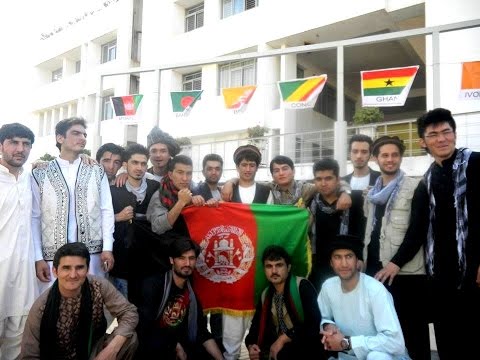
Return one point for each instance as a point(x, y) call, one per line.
point(435, 135)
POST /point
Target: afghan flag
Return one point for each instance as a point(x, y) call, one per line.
point(301, 93)
point(238, 97)
point(470, 87)
point(183, 101)
point(229, 275)
point(126, 106)
point(387, 87)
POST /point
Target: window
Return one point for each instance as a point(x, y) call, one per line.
point(300, 72)
point(109, 51)
point(194, 17)
point(57, 75)
point(192, 81)
point(107, 110)
point(134, 84)
point(326, 104)
point(78, 66)
point(232, 7)
point(240, 73)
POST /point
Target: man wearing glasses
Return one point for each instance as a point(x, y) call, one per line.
point(447, 202)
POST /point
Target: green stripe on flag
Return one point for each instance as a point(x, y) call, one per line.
point(391, 90)
point(288, 88)
point(136, 100)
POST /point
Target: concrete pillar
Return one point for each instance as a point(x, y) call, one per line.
point(288, 71)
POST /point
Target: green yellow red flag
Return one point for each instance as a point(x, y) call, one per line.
point(301, 93)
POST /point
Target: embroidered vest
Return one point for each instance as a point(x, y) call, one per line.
point(393, 231)
point(55, 204)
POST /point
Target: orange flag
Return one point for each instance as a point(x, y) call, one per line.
point(237, 97)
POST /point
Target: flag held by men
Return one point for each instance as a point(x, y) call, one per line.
point(387, 87)
point(230, 276)
point(126, 106)
point(183, 101)
point(301, 93)
point(237, 98)
point(470, 87)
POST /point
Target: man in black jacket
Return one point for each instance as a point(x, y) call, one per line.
point(212, 170)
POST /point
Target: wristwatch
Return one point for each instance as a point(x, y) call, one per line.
point(346, 343)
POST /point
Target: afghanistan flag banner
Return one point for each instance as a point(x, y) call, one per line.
point(125, 107)
point(229, 275)
point(387, 87)
point(301, 93)
point(470, 87)
point(238, 97)
point(183, 101)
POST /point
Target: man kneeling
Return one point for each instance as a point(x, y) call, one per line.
point(67, 320)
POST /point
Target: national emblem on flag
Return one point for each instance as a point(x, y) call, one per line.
point(387, 87)
point(229, 274)
point(237, 97)
point(301, 93)
point(470, 86)
point(126, 106)
point(183, 101)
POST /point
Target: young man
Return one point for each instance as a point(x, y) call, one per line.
point(212, 170)
point(67, 321)
point(287, 318)
point(130, 202)
point(18, 288)
point(327, 220)
point(445, 222)
point(358, 316)
point(74, 204)
point(388, 208)
point(172, 324)
point(109, 155)
point(360, 147)
point(162, 148)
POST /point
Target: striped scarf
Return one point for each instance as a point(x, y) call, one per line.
point(459, 167)
point(168, 192)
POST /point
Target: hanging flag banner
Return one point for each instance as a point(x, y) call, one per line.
point(229, 274)
point(238, 97)
point(125, 107)
point(183, 101)
point(470, 87)
point(387, 87)
point(301, 93)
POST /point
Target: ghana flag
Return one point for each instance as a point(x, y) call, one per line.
point(387, 87)
point(301, 93)
point(126, 106)
point(183, 101)
point(230, 276)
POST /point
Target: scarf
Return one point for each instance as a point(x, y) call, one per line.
point(168, 192)
point(287, 197)
point(192, 309)
point(88, 330)
point(318, 202)
point(387, 195)
point(459, 174)
point(140, 191)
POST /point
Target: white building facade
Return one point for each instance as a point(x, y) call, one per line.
point(120, 36)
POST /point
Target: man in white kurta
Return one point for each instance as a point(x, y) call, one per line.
point(358, 316)
point(18, 288)
point(72, 202)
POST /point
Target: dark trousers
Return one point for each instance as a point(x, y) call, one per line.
point(410, 295)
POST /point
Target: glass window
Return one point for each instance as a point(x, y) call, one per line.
point(240, 73)
point(232, 7)
point(107, 110)
point(194, 17)
point(78, 66)
point(57, 75)
point(109, 51)
point(192, 81)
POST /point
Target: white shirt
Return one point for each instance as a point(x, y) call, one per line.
point(366, 313)
point(247, 194)
point(18, 288)
point(360, 182)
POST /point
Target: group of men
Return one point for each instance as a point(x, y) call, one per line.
point(76, 220)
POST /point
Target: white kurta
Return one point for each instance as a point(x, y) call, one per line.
point(18, 288)
point(70, 171)
point(367, 314)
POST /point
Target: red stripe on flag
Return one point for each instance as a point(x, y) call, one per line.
point(305, 97)
point(389, 73)
point(129, 105)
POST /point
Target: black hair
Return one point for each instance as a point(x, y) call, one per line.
point(62, 127)
point(133, 149)
point(360, 138)
point(179, 159)
point(181, 244)
point(212, 157)
point(9, 131)
point(435, 117)
point(281, 160)
point(327, 164)
point(109, 147)
point(274, 253)
point(384, 140)
point(71, 249)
